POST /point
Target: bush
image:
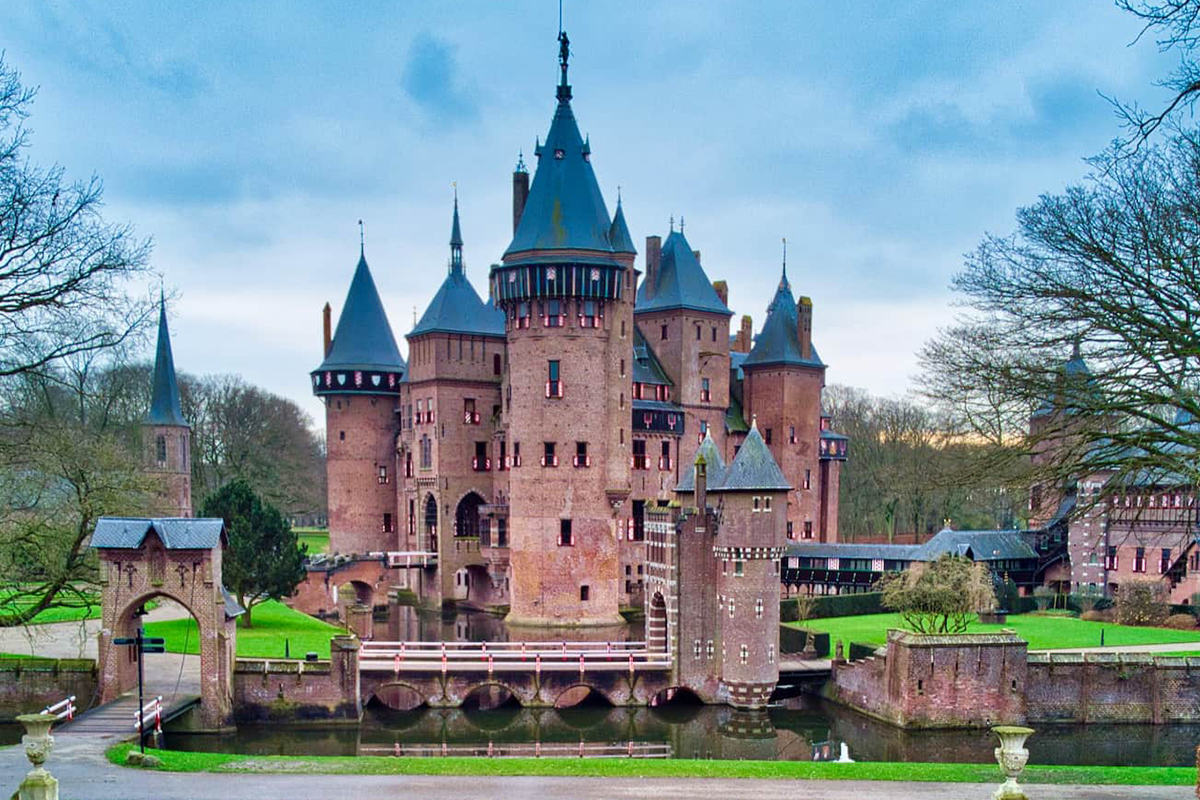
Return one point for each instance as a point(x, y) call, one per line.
point(1096, 616)
point(1181, 622)
point(792, 640)
point(858, 651)
point(1141, 603)
point(1043, 596)
point(941, 596)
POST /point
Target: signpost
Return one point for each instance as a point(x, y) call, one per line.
point(144, 644)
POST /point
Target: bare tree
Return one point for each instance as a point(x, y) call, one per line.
point(1108, 271)
point(1174, 24)
point(63, 269)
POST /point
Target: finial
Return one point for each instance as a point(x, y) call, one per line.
point(785, 258)
point(754, 422)
point(618, 194)
point(672, 223)
point(455, 185)
point(521, 162)
point(564, 53)
point(362, 239)
point(681, 224)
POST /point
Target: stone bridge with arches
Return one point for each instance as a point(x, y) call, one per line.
point(407, 675)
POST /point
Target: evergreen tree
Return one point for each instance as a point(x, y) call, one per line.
point(264, 560)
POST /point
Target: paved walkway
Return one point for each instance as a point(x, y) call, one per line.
point(83, 773)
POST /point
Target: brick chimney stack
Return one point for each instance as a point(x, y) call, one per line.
point(326, 319)
point(804, 326)
point(745, 336)
point(722, 290)
point(520, 194)
point(653, 256)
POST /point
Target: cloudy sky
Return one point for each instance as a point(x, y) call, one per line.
point(882, 139)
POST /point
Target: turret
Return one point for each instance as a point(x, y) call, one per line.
point(359, 382)
point(166, 435)
point(520, 191)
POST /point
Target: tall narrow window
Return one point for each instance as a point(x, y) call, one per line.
point(639, 454)
point(664, 333)
point(565, 537)
point(387, 523)
point(554, 316)
point(587, 314)
point(549, 458)
point(481, 462)
point(584, 593)
point(582, 459)
point(791, 434)
point(523, 315)
point(470, 415)
point(808, 531)
point(502, 464)
point(767, 436)
point(516, 456)
point(554, 386)
point(160, 450)
point(705, 390)
point(697, 333)
point(808, 479)
point(496, 364)
point(408, 464)
point(383, 475)
point(664, 460)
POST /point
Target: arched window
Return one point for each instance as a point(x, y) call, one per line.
point(160, 450)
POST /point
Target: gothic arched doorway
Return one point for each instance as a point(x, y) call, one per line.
point(429, 523)
point(466, 516)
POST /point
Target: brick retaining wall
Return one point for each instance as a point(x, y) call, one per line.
point(299, 691)
point(1111, 687)
point(29, 685)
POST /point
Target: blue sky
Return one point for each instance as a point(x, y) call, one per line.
point(882, 139)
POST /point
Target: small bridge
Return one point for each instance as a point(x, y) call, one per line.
point(119, 717)
point(405, 675)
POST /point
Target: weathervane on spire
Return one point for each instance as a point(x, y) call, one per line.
point(681, 224)
point(785, 256)
point(672, 223)
point(362, 239)
point(564, 53)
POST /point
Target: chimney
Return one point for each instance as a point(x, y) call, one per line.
point(745, 335)
point(520, 193)
point(804, 327)
point(722, 290)
point(653, 256)
point(326, 314)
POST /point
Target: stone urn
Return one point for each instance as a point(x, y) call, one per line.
point(38, 784)
point(1011, 755)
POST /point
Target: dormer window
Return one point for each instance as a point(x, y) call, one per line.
point(587, 156)
point(560, 154)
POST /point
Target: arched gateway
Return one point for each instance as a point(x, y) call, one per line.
point(177, 558)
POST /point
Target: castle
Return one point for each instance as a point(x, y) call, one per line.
point(529, 435)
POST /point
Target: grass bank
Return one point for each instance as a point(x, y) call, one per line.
point(274, 624)
point(317, 539)
point(1042, 631)
point(177, 761)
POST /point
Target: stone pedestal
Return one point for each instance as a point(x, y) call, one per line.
point(38, 784)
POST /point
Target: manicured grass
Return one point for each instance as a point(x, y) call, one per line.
point(23, 657)
point(317, 539)
point(1043, 632)
point(52, 614)
point(177, 761)
point(273, 624)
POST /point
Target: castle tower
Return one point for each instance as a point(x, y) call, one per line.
point(749, 544)
point(451, 442)
point(1053, 429)
point(686, 322)
point(166, 435)
point(359, 382)
point(567, 293)
point(784, 377)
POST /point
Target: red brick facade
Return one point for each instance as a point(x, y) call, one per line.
point(360, 462)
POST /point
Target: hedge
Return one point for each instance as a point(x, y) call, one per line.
point(858, 651)
point(835, 605)
point(792, 640)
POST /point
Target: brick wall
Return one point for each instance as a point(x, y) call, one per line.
point(299, 691)
point(29, 685)
point(963, 681)
point(1104, 687)
point(360, 433)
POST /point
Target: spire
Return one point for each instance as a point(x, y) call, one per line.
point(779, 342)
point(754, 468)
point(164, 401)
point(618, 234)
point(679, 281)
point(363, 339)
point(783, 280)
point(456, 241)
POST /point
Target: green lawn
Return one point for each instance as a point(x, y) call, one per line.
point(274, 623)
point(51, 614)
point(317, 539)
point(1043, 632)
point(176, 761)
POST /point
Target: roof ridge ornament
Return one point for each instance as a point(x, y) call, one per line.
point(362, 240)
point(564, 54)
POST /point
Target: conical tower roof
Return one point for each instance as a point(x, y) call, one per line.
point(618, 234)
point(714, 466)
point(564, 209)
point(680, 282)
point(1074, 386)
point(363, 339)
point(164, 399)
point(779, 341)
point(754, 468)
point(457, 307)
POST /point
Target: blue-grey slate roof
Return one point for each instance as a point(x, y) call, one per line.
point(646, 366)
point(164, 398)
point(980, 545)
point(618, 234)
point(565, 208)
point(753, 468)
point(176, 533)
point(232, 607)
point(779, 341)
point(1074, 376)
point(457, 308)
point(363, 339)
point(679, 283)
point(833, 435)
point(714, 466)
point(889, 552)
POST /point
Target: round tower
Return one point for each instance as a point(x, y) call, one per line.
point(166, 435)
point(359, 382)
point(567, 295)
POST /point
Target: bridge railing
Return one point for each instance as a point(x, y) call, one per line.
point(491, 657)
point(630, 749)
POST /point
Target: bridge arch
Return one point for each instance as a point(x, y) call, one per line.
point(582, 695)
point(398, 696)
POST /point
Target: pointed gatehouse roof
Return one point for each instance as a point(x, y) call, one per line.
point(754, 468)
point(164, 399)
point(618, 234)
point(680, 282)
point(714, 466)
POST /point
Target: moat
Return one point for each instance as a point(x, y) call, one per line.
point(809, 729)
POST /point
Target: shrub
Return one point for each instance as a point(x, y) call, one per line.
point(1096, 616)
point(1181, 622)
point(939, 597)
point(832, 605)
point(1141, 603)
point(1043, 596)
